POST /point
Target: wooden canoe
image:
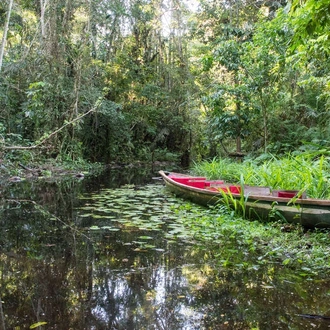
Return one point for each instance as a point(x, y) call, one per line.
point(259, 202)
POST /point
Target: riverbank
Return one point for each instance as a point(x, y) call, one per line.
point(50, 169)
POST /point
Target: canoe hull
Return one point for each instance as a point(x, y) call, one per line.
point(310, 213)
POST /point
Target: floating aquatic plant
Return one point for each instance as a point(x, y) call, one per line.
point(150, 208)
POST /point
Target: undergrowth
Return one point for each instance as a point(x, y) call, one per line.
point(303, 172)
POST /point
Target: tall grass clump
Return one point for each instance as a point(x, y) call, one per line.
point(303, 172)
point(217, 168)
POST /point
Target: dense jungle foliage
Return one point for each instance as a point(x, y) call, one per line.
point(126, 80)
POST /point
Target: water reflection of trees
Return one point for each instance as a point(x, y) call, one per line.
point(78, 284)
point(271, 297)
point(141, 291)
point(52, 272)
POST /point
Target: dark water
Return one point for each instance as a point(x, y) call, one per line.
point(94, 254)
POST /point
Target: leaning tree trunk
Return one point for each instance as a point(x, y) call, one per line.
point(5, 31)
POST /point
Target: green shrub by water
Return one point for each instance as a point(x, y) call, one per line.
point(304, 172)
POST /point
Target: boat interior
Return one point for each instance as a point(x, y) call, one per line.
point(221, 185)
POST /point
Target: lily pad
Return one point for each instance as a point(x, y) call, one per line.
point(145, 237)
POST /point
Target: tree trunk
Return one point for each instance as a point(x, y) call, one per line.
point(238, 144)
point(5, 31)
point(238, 129)
point(265, 119)
point(43, 4)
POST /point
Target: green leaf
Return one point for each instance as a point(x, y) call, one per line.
point(286, 261)
point(38, 324)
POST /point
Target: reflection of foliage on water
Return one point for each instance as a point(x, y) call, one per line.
point(138, 291)
point(53, 273)
point(180, 267)
point(80, 287)
point(270, 298)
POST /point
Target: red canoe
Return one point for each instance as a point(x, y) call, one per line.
point(259, 202)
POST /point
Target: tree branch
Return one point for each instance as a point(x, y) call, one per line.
point(55, 132)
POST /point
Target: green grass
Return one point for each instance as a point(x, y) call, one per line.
point(302, 172)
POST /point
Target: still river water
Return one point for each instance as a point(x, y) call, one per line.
point(109, 253)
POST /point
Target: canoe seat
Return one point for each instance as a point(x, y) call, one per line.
point(287, 193)
point(196, 183)
point(261, 191)
point(185, 179)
